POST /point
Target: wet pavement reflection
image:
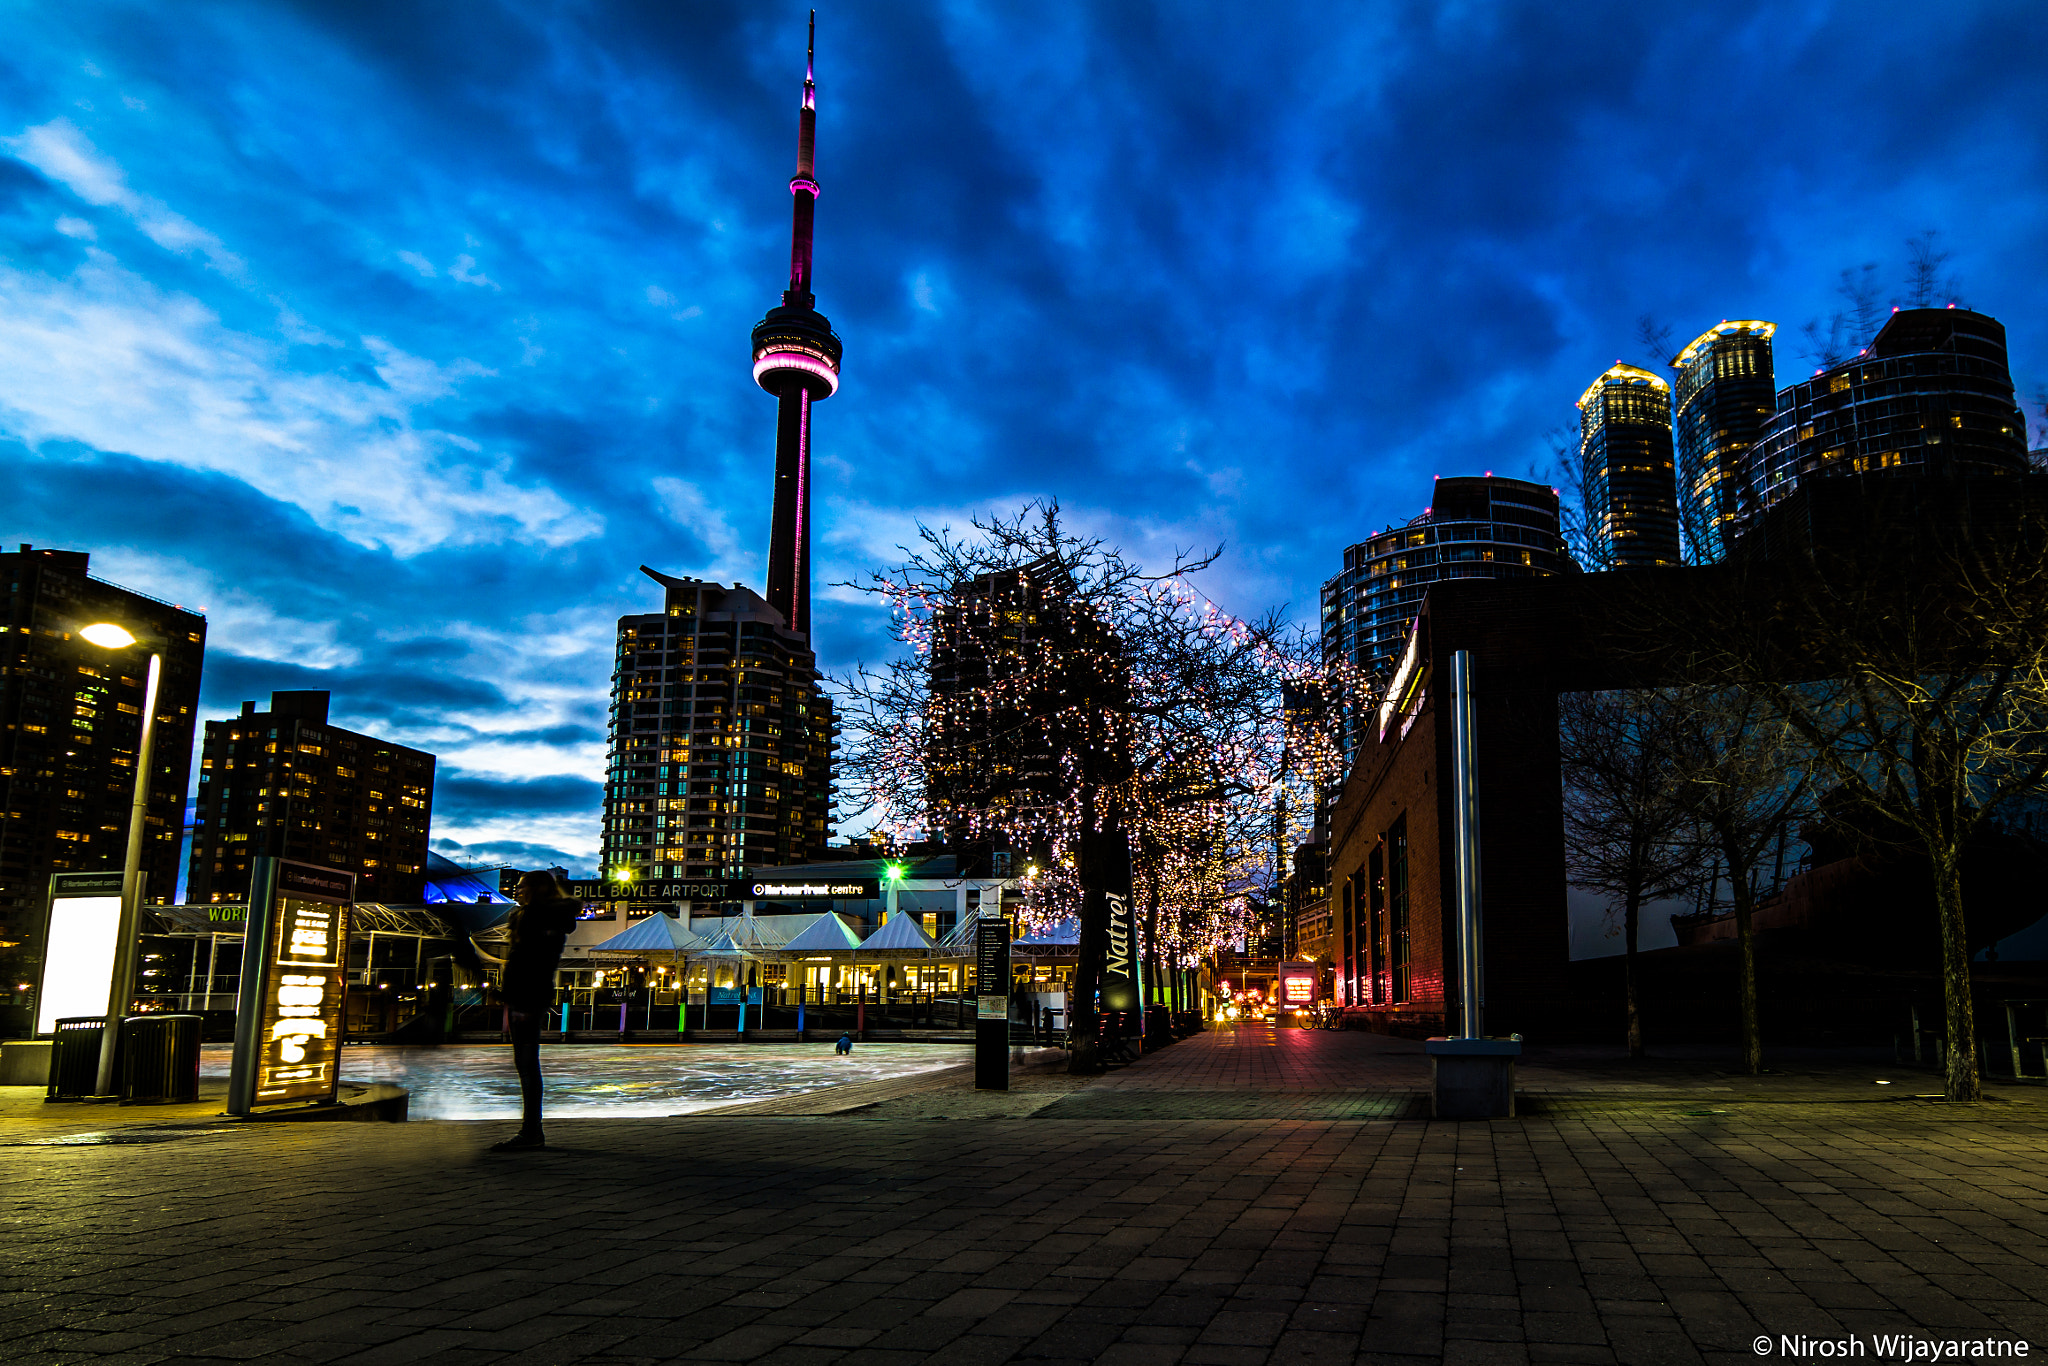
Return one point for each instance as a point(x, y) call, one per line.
point(598, 1081)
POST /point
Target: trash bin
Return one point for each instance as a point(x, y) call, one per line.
point(75, 1058)
point(160, 1056)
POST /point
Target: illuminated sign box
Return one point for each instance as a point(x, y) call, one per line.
point(853, 889)
point(294, 958)
point(700, 890)
point(80, 946)
point(992, 968)
point(1299, 983)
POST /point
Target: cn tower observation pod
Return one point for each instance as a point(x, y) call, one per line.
point(795, 348)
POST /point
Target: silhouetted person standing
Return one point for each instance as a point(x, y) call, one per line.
point(538, 929)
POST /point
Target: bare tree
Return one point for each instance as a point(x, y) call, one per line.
point(1625, 829)
point(1109, 720)
point(1567, 474)
point(1865, 312)
point(1655, 339)
point(1911, 663)
point(1826, 345)
point(1743, 777)
point(1926, 286)
point(1850, 328)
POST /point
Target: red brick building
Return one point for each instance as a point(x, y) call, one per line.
point(1390, 849)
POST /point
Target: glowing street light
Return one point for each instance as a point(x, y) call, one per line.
point(107, 635)
point(113, 636)
point(892, 874)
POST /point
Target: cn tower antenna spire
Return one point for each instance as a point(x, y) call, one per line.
point(796, 358)
point(804, 185)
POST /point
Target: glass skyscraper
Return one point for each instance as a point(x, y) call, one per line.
point(1474, 528)
point(1724, 397)
point(1931, 394)
point(1626, 459)
point(721, 739)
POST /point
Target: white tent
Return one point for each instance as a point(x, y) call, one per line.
point(658, 933)
point(828, 934)
point(902, 937)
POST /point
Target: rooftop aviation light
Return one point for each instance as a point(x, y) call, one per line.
point(107, 635)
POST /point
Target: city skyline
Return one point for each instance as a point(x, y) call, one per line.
point(323, 320)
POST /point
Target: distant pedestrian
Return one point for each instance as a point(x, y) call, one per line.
point(539, 927)
point(844, 1046)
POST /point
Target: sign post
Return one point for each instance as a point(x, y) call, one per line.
point(294, 980)
point(992, 1003)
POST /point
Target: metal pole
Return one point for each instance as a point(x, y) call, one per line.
point(212, 964)
point(1465, 848)
point(123, 991)
point(256, 939)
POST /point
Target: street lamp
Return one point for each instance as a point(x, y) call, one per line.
point(111, 636)
point(895, 875)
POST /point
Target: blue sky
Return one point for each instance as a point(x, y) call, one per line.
point(396, 336)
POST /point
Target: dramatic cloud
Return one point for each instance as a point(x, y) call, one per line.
point(398, 337)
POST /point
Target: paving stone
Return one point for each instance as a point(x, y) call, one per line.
point(1237, 1198)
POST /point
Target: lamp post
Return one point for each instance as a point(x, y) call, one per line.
point(109, 636)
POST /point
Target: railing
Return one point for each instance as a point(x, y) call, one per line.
point(645, 1010)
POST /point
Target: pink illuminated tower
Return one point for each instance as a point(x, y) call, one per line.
point(796, 358)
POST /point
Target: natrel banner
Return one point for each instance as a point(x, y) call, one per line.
point(1120, 966)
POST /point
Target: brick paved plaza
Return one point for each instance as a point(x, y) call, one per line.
point(1214, 1204)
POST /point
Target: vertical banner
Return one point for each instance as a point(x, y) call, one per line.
point(81, 946)
point(294, 981)
point(1120, 966)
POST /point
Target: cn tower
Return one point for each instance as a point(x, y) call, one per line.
point(796, 358)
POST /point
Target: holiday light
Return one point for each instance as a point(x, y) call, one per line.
point(1137, 702)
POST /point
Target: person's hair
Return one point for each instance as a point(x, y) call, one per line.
point(545, 882)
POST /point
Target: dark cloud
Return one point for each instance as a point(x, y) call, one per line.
point(1204, 273)
point(468, 796)
point(515, 854)
point(356, 691)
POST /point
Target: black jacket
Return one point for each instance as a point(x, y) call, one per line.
point(538, 932)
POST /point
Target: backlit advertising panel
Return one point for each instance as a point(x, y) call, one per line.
point(80, 947)
point(290, 1048)
point(1298, 984)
